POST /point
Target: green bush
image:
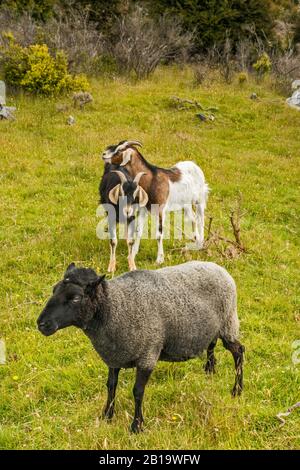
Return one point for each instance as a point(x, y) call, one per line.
point(35, 70)
point(242, 77)
point(263, 65)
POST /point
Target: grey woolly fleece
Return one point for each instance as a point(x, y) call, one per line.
point(170, 314)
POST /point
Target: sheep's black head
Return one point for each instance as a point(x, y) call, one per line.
point(70, 304)
point(128, 194)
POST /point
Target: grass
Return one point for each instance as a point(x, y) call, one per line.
point(52, 390)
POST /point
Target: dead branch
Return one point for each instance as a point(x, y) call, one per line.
point(185, 103)
point(288, 412)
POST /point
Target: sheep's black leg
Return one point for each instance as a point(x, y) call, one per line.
point(112, 382)
point(142, 377)
point(211, 360)
point(237, 350)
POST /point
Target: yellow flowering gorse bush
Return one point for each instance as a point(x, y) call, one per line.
point(35, 70)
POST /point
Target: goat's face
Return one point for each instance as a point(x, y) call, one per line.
point(66, 307)
point(121, 153)
point(128, 194)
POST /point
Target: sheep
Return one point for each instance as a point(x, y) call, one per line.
point(141, 317)
point(173, 189)
point(120, 195)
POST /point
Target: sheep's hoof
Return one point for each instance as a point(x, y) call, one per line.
point(107, 415)
point(136, 427)
point(236, 391)
point(210, 367)
point(160, 260)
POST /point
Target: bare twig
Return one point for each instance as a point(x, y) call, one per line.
point(235, 223)
point(287, 413)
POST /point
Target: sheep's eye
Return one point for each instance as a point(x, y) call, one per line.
point(76, 299)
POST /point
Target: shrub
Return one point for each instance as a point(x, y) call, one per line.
point(201, 71)
point(263, 65)
point(35, 70)
point(73, 31)
point(143, 43)
point(242, 77)
point(286, 68)
point(13, 60)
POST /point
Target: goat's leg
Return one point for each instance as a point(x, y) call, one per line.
point(142, 377)
point(112, 382)
point(211, 360)
point(237, 350)
point(130, 243)
point(112, 227)
point(190, 215)
point(200, 210)
point(139, 230)
point(159, 236)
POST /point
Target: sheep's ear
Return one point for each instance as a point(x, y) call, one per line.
point(114, 194)
point(126, 157)
point(91, 286)
point(70, 268)
point(142, 197)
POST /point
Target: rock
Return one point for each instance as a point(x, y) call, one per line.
point(71, 120)
point(2, 93)
point(295, 85)
point(201, 117)
point(7, 112)
point(253, 96)
point(294, 100)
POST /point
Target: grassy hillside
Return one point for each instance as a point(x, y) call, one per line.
point(52, 390)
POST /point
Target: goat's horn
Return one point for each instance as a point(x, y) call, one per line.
point(138, 177)
point(127, 143)
point(121, 175)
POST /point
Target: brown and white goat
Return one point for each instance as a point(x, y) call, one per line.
point(180, 187)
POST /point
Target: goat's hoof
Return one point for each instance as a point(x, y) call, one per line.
point(160, 260)
point(111, 268)
point(131, 266)
point(136, 427)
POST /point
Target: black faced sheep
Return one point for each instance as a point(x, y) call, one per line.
point(171, 314)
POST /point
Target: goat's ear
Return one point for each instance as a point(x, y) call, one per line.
point(70, 268)
point(114, 194)
point(142, 197)
point(126, 157)
point(91, 286)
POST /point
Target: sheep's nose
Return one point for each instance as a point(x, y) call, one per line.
point(43, 324)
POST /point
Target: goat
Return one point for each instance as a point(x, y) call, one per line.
point(173, 189)
point(171, 314)
point(121, 195)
